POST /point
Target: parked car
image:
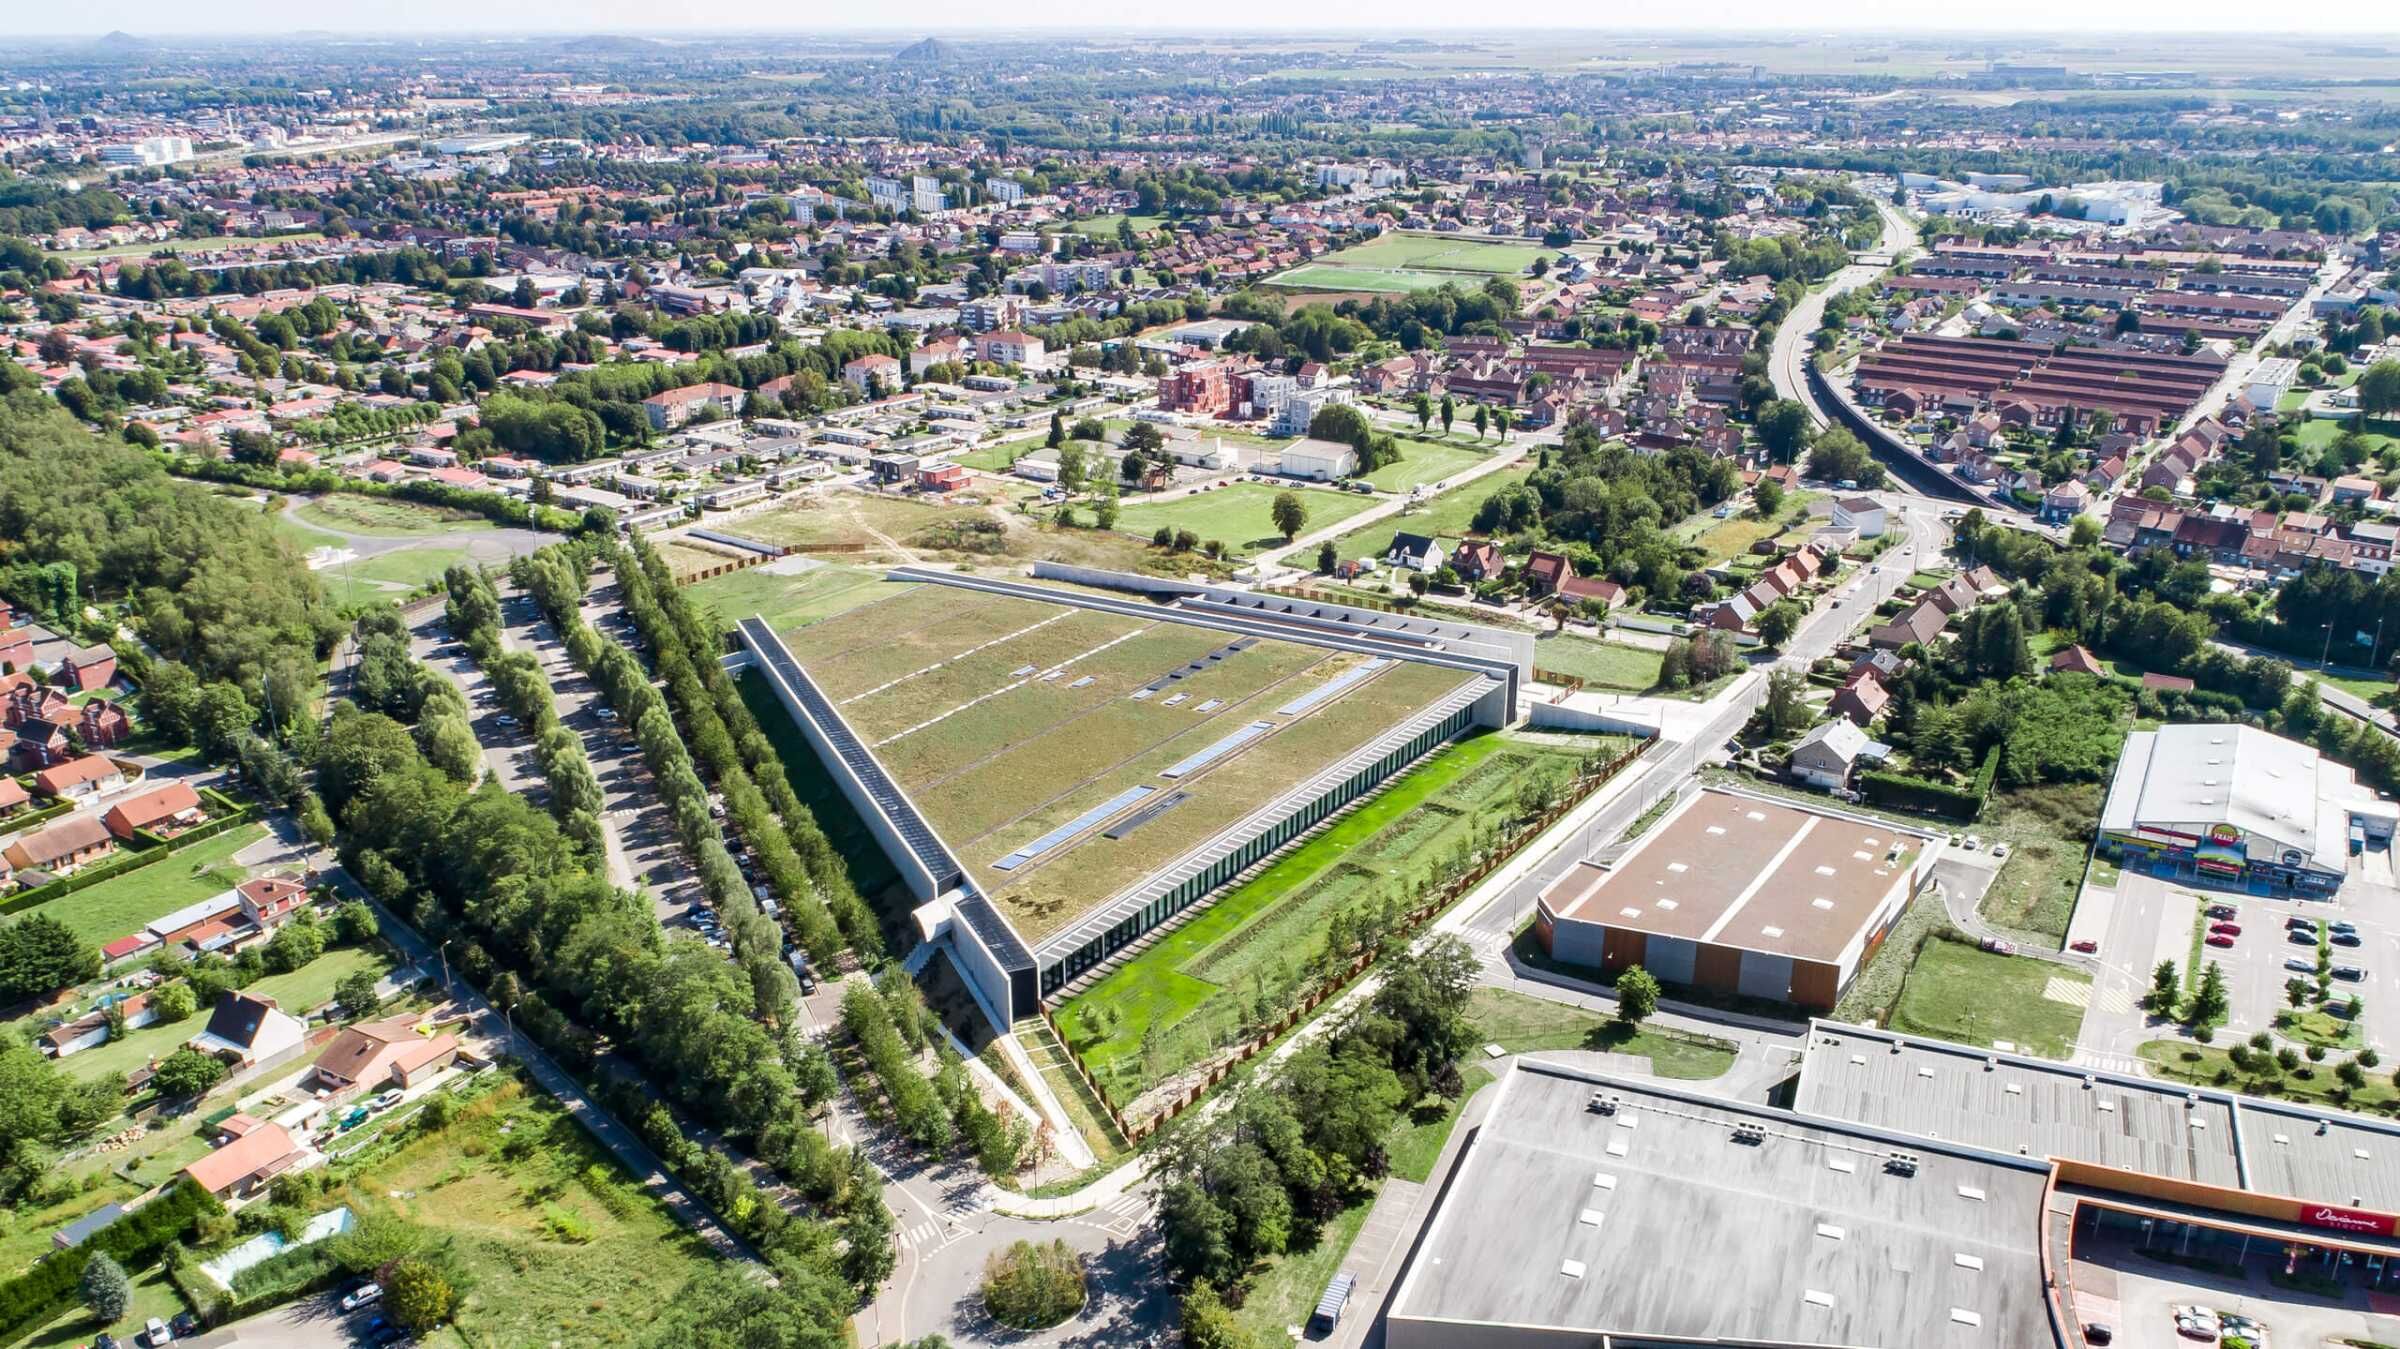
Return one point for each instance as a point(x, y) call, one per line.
point(156, 1332)
point(506, 720)
point(2342, 929)
point(2087, 946)
point(363, 1295)
point(2229, 929)
point(2219, 939)
point(2349, 973)
point(2096, 1333)
point(184, 1324)
point(1999, 850)
point(1999, 947)
point(2298, 921)
point(2221, 911)
point(2298, 966)
point(2301, 936)
point(2345, 939)
point(387, 1100)
point(1973, 842)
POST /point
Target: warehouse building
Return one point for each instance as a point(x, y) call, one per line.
point(2235, 806)
point(1734, 893)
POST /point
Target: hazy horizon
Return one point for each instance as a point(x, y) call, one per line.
point(1648, 18)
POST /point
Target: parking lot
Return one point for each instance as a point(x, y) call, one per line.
point(2136, 1294)
point(2154, 920)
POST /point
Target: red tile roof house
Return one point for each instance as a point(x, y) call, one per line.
point(88, 668)
point(164, 810)
point(79, 778)
point(250, 1152)
point(373, 1055)
point(90, 1031)
point(13, 796)
point(2167, 683)
point(1581, 588)
point(2076, 660)
point(1543, 571)
point(104, 724)
point(63, 847)
point(1861, 698)
point(1477, 560)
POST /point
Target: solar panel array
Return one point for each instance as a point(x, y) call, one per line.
point(1218, 750)
point(1027, 852)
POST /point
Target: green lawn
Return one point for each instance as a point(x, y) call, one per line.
point(1524, 1025)
point(25, 1229)
point(1284, 1293)
point(202, 244)
point(122, 904)
point(1193, 989)
point(791, 600)
point(153, 1295)
point(382, 516)
point(388, 577)
point(1447, 516)
point(2210, 1065)
point(1238, 514)
point(1105, 226)
point(2317, 433)
point(1422, 462)
point(1958, 992)
point(296, 992)
point(1611, 665)
point(2357, 686)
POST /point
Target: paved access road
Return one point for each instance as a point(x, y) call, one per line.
point(1794, 336)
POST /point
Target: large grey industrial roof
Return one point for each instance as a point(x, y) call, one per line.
point(1676, 1227)
point(2212, 773)
point(1938, 1090)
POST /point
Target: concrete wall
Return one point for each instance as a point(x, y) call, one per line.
point(920, 882)
point(1606, 720)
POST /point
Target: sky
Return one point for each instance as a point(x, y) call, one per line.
point(159, 17)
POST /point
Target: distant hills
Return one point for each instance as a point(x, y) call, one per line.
point(933, 51)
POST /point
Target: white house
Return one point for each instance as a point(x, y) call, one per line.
point(1826, 756)
point(1415, 551)
point(1862, 514)
point(1322, 460)
point(2273, 378)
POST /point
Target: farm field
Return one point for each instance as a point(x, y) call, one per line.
point(1406, 262)
point(114, 907)
point(1238, 514)
point(1056, 731)
point(1445, 517)
point(1169, 1006)
point(1422, 462)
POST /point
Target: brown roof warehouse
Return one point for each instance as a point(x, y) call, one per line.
point(1735, 893)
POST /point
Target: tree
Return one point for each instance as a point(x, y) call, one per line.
point(1779, 621)
point(1058, 430)
point(1104, 506)
point(1290, 515)
point(1209, 1324)
point(1782, 426)
point(1767, 497)
point(1449, 412)
point(2166, 988)
point(1637, 995)
point(356, 994)
point(1422, 406)
point(104, 1288)
point(1032, 1286)
point(2379, 389)
point(1071, 466)
point(1327, 558)
point(187, 1073)
point(174, 1002)
point(354, 922)
point(39, 954)
point(418, 1294)
point(1483, 420)
point(1786, 705)
point(2210, 1000)
point(1838, 456)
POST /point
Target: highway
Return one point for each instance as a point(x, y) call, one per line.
point(1794, 335)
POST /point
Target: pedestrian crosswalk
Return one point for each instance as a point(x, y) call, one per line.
point(933, 1233)
point(1488, 946)
point(1125, 1215)
point(2108, 1063)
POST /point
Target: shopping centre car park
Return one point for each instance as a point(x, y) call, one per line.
point(1058, 768)
point(1917, 1193)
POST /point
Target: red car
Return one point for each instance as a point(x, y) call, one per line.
point(2229, 929)
point(2220, 939)
point(2087, 946)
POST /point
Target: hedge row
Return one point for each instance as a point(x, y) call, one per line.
point(1902, 792)
point(135, 1241)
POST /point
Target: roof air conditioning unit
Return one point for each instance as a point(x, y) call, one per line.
point(2090, 1081)
point(1991, 1062)
point(1603, 1103)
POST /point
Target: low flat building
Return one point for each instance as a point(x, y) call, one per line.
point(2235, 806)
point(1588, 1211)
point(1733, 893)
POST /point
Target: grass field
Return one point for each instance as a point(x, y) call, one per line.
point(874, 522)
point(1957, 992)
point(1724, 540)
point(1447, 516)
point(2212, 1066)
point(2045, 828)
point(1526, 1025)
point(1404, 262)
point(1105, 226)
point(1169, 1006)
point(1416, 1143)
point(2316, 434)
point(389, 577)
point(199, 245)
point(1239, 515)
point(382, 516)
point(791, 599)
point(122, 904)
point(1601, 664)
point(557, 1244)
point(1422, 462)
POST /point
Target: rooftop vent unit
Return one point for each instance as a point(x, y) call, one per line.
point(2090, 1081)
point(1603, 1103)
point(1901, 1164)
point(1749, 1133)
point(1991, 1063)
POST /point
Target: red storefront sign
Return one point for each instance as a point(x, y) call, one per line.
point(2347, 1220)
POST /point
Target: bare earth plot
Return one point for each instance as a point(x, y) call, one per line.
point(1006, 719)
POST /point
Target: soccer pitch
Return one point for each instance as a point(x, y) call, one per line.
point(1009, 720)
